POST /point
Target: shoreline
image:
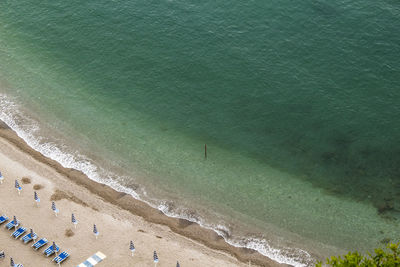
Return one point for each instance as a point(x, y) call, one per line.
point(183, 227)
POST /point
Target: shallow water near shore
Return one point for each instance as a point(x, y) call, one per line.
point(298, 104)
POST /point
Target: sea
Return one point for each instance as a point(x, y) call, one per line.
point(298, 103)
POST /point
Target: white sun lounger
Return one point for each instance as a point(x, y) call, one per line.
point(93, 260)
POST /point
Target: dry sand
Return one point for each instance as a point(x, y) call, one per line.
point(119, 219)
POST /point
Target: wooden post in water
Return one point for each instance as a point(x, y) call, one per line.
point(205, 151)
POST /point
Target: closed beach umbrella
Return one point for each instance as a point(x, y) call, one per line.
point(73, 220)
point(132, 247)
point(55, 248)
point(96, 233)
point(19, 188)
point(32, 234)
point(54, 208)
point(177, 264)
point(1, 178)
point(15, 221)
point(155, 257)
point(12, 264)
point(37, 199)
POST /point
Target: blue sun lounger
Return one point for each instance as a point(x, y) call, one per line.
point(60, 258)
point(12, 224)
point(17, 233)
point(40, 243)
point(50, 250)
point(28, 238)
point(3, 219)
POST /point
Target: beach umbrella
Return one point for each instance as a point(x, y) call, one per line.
point(54, 208)
point(2, 255)
point(55, 248)
point(73, 220)
point(155, 257)
point(96, 233)
point(132, 247)
point(177, 264)
point(15, 222)
point(12, 264)
point(19, 188)
point(1, 178)
point(32, 234)
point(37, 199)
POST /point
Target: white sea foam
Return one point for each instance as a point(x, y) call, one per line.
point(292, 256)
point(28, 129)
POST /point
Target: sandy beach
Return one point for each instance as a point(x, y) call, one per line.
point(119, 219)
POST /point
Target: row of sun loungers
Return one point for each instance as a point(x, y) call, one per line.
point(32, 236)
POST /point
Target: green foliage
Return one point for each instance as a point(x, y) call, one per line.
point(382, 258)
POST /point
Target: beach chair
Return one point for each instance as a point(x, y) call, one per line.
point(28, 238)
point(17, 233)
point(93, 260)
point(12, 224)
point(50, 250)
point(60, 258)
point(40, 243)
point(3, 219)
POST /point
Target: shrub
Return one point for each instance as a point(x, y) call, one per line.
point(382, 258)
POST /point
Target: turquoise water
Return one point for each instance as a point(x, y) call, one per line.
point(298, 104)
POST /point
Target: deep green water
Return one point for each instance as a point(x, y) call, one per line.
point(299, 104)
